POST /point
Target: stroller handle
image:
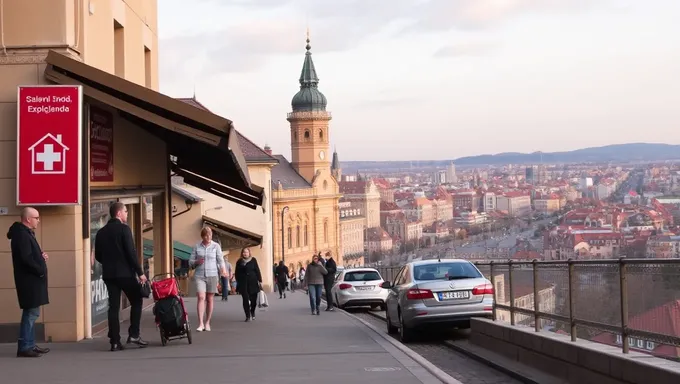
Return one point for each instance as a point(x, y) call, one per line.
point(162, 276)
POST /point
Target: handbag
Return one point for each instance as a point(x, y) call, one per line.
point(145, 289)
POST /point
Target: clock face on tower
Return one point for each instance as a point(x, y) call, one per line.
point(322, 155)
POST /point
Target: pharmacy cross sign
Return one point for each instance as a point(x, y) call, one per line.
point(48, 161)
point(49, 145)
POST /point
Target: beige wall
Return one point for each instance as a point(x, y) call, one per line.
point(30, 28)
point(188, 226)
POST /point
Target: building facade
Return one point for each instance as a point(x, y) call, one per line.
point(352, 233)
point(110, 53)
point(304, 191)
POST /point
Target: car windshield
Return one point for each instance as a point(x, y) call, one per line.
point(362, 276)
point(446, 271)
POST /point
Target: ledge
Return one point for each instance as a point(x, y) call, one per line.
point(579, 361)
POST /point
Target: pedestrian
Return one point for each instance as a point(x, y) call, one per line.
point(114, 249)
point(329, 279)
point(249, 282)
point(208, 262)
point(314, 281)
point(281, 279)
point(227, 279)
point(30, 279)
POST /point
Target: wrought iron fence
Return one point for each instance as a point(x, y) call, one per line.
point(626, 302)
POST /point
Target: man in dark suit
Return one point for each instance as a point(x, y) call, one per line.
point(329, 279)
point(30, 279)
point(281, 274)
point(114, 248)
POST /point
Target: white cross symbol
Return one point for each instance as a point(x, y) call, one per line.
point(48, 157)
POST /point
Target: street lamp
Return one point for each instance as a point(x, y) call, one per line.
point(283, 233)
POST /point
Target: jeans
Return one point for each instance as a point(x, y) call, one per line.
point(27, 329)
point(129, 286)
point(225, 287)
point(315, 295)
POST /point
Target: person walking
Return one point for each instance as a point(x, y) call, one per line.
point(281, 279)
point(226, 289)
point(314, 281)
point(329, 279)
point(248, 282)
point(114, 249)
point(30, 279)
point(208, 262)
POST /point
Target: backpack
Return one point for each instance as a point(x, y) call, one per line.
point(169, 314)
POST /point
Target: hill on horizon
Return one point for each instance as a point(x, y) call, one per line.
point(607, 153)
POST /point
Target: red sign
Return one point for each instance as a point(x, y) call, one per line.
point(49, 146)
point(101, 145)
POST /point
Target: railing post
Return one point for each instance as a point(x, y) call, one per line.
point(537, 317)
point(624, 303)
point(493, 284)
point(572, 321)
point(512, 294)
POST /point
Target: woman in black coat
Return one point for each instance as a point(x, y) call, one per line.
point(248, 282)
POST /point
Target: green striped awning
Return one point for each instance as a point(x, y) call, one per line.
point(180, 250)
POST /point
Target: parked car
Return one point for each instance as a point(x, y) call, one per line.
point(359, 287)
point(440, 292)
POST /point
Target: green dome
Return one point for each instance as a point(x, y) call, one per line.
point(309, 98)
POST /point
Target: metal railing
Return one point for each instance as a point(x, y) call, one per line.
point(626, 302)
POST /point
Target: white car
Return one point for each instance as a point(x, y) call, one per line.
point(359, 287)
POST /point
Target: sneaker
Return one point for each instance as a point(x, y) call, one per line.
point(200, 329)
point(247, 319)
point(137, 340)
point(117, 347)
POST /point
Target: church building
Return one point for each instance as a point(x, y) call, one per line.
point(305, 192)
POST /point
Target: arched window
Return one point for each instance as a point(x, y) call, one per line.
point(290, 237)
point(297, 236)
point(307, 135)
point(325, 231)
point(321, 134)
point(306, 236)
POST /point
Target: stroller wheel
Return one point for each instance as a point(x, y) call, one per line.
point(188, 331)
point(164, 341)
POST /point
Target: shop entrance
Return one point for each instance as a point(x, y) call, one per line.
point(140, 216)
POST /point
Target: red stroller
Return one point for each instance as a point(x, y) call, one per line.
point(170, 314)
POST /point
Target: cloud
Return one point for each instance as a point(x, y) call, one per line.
point(466, 49)
point(335, 26)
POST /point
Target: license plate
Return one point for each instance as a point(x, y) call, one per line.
point(364, 288)
point(454, 295)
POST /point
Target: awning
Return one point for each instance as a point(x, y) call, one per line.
point(203, 147)
point(236, 237)
point(180, 250)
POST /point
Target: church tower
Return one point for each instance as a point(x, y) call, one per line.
point(309, 133)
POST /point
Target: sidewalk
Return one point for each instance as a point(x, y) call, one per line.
point(285, 344)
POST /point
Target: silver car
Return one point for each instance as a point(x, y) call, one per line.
point(446, 292)
point(359, 287)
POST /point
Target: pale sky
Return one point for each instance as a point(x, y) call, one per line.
point(434, 79)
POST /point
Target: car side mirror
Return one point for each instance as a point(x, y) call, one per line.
point(386, 285)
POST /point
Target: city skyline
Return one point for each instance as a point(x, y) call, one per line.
point(597, 72)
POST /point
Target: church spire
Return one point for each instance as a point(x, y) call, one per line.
point(309, 98)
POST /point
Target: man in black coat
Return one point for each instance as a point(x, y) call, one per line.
point(329, 279)
point(30, 278)
point(114, 248)
point(281, 273)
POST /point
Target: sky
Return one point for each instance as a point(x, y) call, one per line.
point(434, 79)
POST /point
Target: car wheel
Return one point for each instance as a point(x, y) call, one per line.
point(405, 333)
point(391, 329)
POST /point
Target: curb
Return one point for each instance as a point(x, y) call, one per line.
point(431, 368)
